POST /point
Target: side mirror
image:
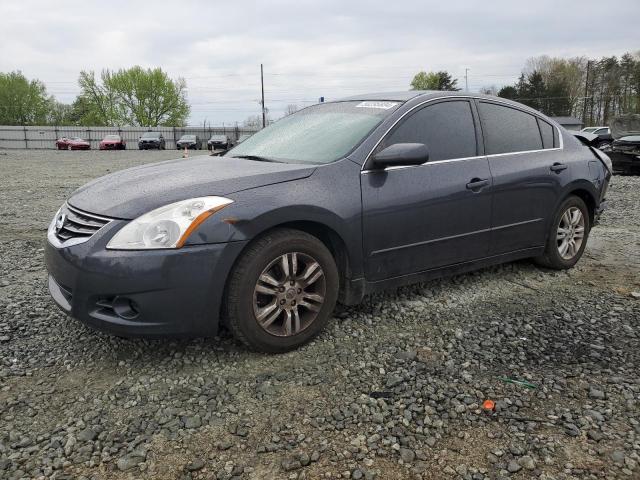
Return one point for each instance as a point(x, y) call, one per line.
point(401, 154)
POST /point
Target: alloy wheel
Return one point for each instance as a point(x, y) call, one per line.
point(570, 233)
point(289, 294)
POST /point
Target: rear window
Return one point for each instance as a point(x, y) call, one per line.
point(507, 130)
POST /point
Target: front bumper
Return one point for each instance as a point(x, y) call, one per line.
point(141, 293)
point(147, 145)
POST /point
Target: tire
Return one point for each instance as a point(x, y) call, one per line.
point(242, 302)
point(552, 256)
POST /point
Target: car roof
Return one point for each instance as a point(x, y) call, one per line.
point(393, 96)
point(416, 96)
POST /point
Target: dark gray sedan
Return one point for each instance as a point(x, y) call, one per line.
point(328, 204)
point(190, 142)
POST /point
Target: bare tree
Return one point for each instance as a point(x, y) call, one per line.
point(291, 108)
point(489, 90)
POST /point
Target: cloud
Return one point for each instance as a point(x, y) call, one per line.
point(309, 48)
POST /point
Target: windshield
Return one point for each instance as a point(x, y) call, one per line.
point(218, 138)
point(112, 137)
point(150, 135)
point(589, 129)
point(323, 133)
point(188, 137)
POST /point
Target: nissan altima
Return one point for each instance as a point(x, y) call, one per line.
point(326, 205)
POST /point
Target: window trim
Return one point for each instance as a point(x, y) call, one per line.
point(478, 127)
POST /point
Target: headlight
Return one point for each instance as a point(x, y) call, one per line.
point(168, 226)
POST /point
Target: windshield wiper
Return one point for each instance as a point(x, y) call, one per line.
point(257, 158)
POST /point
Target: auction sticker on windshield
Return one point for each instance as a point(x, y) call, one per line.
point(383, 105)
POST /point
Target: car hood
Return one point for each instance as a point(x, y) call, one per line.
point(629, 139)
point(625, 125)
point(130, 193)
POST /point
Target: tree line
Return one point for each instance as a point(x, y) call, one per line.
point(594, 90)
point(134, 96)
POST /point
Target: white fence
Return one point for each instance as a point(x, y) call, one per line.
point(45, 137)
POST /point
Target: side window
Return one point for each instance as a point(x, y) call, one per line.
point(547, 134)
point(507, 130)
point(446, 128)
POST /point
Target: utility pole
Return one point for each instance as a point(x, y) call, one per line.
point(264, 119)
point(466, 79)
point(586, 89)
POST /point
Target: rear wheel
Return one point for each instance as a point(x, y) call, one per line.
point(282, 291)
point(567, 238)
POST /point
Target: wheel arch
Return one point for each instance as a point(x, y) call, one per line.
point(587, 197)
point(331, 239)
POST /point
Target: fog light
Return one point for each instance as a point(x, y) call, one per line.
point(125, 308)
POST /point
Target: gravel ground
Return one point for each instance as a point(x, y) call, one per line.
point(392, 389)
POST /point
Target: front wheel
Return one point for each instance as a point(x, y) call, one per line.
point(282, 291)
point(568, 235)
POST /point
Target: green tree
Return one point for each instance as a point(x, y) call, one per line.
point(509, 92)
point(551, 97)
point(135, 96)
point(60, 114)
point(434, 81)
point(23, 102)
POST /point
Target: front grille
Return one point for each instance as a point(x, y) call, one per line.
point(74, 223)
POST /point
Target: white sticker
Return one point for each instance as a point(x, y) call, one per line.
point(382, 105)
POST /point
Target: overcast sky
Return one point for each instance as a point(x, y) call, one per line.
point(309, 49)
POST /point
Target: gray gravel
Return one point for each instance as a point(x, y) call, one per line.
point(392, 389)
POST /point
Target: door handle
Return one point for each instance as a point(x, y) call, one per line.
point(558, 167)
point(477, 183)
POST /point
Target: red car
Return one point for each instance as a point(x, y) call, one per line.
point(113, 142)
point(72, 143)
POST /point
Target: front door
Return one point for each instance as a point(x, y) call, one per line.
point(436, 214)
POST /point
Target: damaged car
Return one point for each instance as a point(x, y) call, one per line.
point(625, 148)
point(329, 204)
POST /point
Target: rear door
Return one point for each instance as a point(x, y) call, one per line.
point(522, 152)
point(431, 215)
